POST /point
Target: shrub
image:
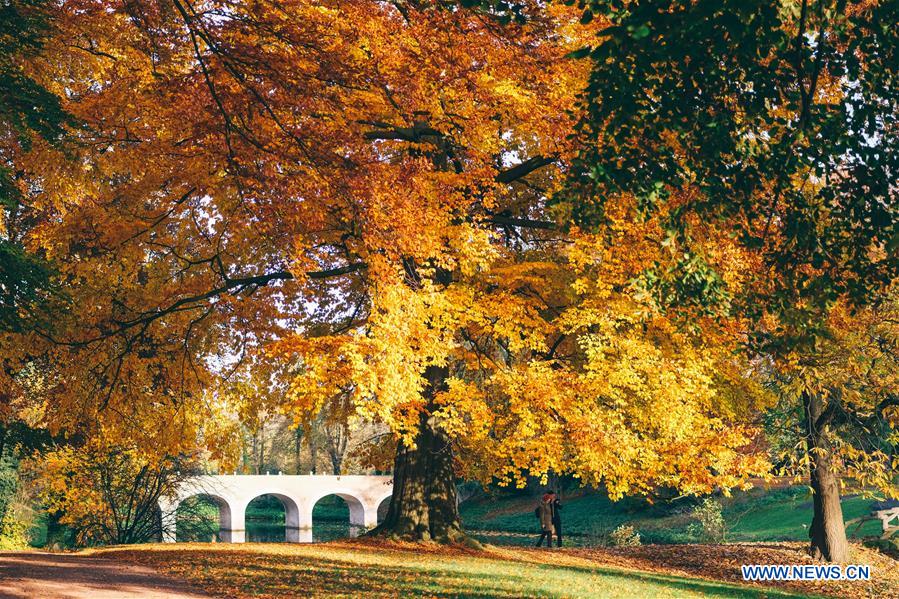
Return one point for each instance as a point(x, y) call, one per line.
point(625, 536)
point(597, 529)
point(14, 528)
point(468, 490)
point(16, 515)
point(107, 495)
point(709, 525)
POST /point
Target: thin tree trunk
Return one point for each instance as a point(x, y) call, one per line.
point(336, 463)
point(336, 436)
point(828, 531)
point(298, 446)
point(313, 452)
point(260, 466)
point(423, 506)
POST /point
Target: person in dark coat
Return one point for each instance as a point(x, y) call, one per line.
point(544, 512)
point(557, 517)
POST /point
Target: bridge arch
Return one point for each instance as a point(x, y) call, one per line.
point(382, 505)
point(227, 513)
point(291, 512)
point(355, 504)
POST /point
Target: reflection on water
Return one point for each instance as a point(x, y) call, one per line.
point(267, 532)
point(264, 532)
point(265, 520)
point(197, 520)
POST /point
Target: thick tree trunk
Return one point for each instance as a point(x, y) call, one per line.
point(424, 506)
point(828, 531)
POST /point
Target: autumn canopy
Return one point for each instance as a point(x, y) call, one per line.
point(371, 210)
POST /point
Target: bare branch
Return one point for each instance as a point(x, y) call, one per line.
point(525, 223)
point(524, 169)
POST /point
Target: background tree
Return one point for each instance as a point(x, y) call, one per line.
point(16, 513)
point(337, 435)
point(858, 426)
point(29, 113)
point(773, 124)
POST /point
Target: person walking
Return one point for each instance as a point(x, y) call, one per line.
point(557, 517)
point(545, 514)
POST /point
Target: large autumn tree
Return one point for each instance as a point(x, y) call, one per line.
point(354, 196)
point(773, 124)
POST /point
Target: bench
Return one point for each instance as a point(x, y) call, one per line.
point(887, 512)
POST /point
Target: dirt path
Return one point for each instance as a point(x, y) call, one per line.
point(24, 575)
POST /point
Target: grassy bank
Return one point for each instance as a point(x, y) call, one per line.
point(354, 569)
point(588, 518)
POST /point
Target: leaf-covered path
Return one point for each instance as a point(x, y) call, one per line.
point(24, 575)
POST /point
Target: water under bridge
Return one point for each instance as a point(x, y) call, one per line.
point(298, 494)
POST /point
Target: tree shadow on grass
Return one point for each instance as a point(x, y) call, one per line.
point(706, 588)
point(285, 574)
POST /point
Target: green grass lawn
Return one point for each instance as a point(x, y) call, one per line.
point(786, 516)
point(758, 515)
point(588, 518)
point(375, 570)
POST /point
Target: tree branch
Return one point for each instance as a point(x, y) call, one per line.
point(189, 302)
point(523, 169)
point(525, 223)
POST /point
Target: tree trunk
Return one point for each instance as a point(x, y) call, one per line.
point(336, 435)
point(313, 453)
point(828, 531)
point(336, 463)
point(260, 463)
point(423, 506)
point(298, 446)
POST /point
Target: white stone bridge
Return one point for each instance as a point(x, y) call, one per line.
point(298, 494)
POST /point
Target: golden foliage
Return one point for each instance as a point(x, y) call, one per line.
point(320, 195)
